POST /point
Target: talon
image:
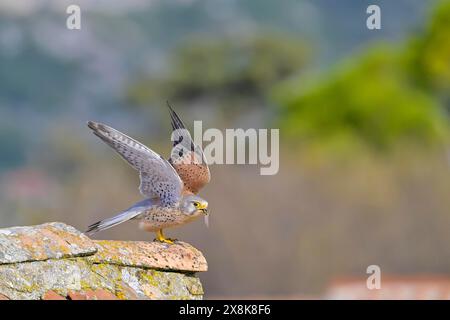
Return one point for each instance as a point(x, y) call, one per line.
point(160, 238)
point(168, 241)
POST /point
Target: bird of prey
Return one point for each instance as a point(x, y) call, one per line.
point(170, 186)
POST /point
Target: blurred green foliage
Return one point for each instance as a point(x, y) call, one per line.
point(229, 69)
point(385, 96)
point(370, 102)
point(429, 54)
point(375, 99)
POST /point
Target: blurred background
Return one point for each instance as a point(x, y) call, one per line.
point(363, 116)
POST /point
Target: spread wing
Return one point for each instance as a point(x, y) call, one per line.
point(158, 177)
point(187, 158)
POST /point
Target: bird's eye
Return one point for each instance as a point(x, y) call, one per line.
point(196, 204)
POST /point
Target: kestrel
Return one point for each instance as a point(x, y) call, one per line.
point(170, 186)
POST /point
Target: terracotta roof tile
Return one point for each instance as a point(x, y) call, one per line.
point(52, 295)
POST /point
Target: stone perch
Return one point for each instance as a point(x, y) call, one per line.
point(56, 261)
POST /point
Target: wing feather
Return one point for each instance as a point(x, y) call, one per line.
point(158, 177)
point(186, 157)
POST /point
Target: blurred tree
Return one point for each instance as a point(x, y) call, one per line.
point(233, 71)
point(371, 102)
point(374, 100)
point(428, 55)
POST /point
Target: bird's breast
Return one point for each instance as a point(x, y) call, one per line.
point(162, 218)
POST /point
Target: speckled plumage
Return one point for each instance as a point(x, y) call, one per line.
point(157, 217)
point(187, 158)
point(169, 185)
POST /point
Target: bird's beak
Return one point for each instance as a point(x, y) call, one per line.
point(203, 207)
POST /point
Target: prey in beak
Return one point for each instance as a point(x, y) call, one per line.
point(207, 219)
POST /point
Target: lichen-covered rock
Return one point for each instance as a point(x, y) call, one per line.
point(179, 257)
point(47, 241)
point(62, 263)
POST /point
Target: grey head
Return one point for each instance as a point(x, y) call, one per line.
point(193, 205)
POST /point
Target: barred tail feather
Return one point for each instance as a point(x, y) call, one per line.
point(126, 215)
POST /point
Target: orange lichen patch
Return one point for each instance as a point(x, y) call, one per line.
point(45, 242)
point(42, 242)
point(52, 295)
point(179, 256)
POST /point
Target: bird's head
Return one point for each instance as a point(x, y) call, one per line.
point(194, 205)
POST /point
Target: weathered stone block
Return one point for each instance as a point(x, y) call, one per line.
point(55, 261)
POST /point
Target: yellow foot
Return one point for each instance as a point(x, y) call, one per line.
point(166, 240)
point(160, 237)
